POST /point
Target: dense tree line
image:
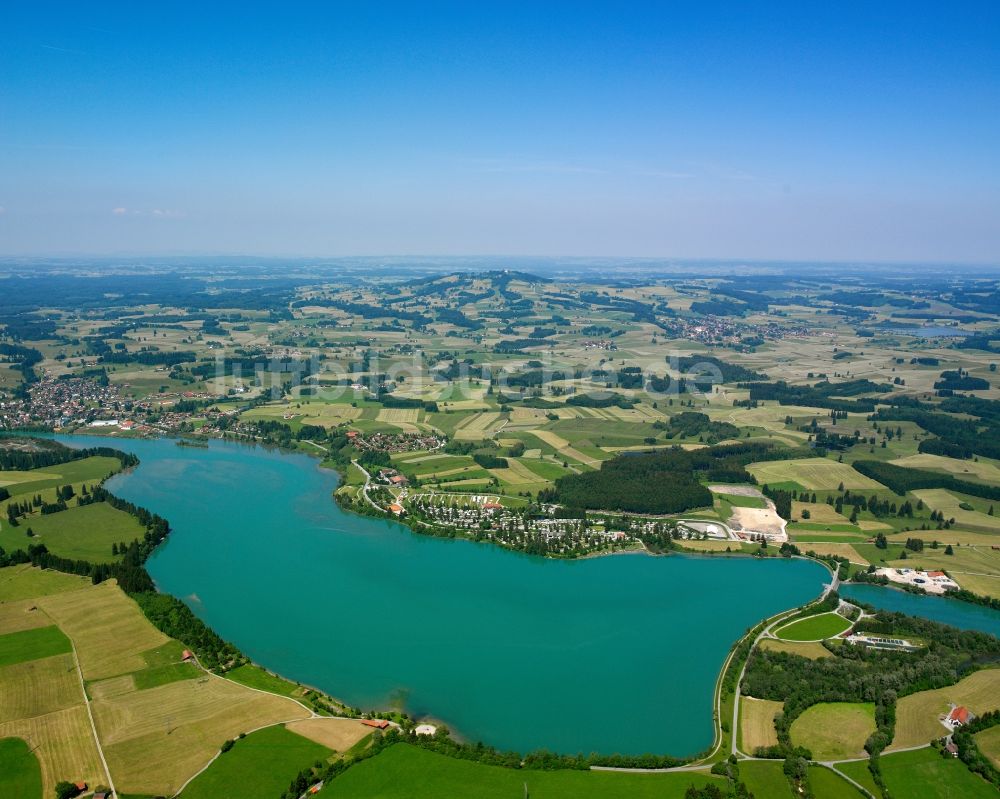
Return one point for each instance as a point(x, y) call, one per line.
point(968, 750)
point(689, 424)
point(453, 316)
point(23, 360)
point(902, 479)
point(489, 461)
point(51, 453)
point(782, 500)
point(175, 619)
point(960, 380)
point(367, 311)
point(150, 357)
point(605, 400)
point(730, 372)
point(822, 395)
point(858, 674)
point(667, 481)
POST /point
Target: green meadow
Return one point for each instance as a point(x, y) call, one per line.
point(813, 628)
point(404, 771)
point(84, 532)
point(41, 642)
point(20, 774)
point(260, 766)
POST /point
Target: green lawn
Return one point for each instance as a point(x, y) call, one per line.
point(27, 582)
point(408, 772)
point(20, 774)
point(256, 677)
point(260, 766)
point(813, 628)
point(81, 533)
point(162, 675)
point(924, 773)
point(858, 771)
point(42, 642)
point(85, 470)
point(741, 501)
point(766, 779)
point(826, 784)
point(545, 469)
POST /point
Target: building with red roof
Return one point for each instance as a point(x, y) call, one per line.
point(958, 716)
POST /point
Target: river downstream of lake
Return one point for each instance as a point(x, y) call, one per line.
point(610, 654)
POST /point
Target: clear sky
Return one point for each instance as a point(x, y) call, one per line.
point(799, 130)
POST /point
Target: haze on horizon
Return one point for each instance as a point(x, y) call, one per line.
point(710, 130)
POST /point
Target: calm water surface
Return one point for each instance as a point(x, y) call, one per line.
point(604, 654)
point(955, 612)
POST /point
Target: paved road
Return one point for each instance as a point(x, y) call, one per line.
point(364, 488)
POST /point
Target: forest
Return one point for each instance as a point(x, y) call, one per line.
point(667, 481)
point(902, 479)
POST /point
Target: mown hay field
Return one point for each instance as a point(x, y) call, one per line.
point(757, 723)
point(21, 614)
point(155, 739)
point(24, 582)
point(37, 687)
point(835, 549)
point(478, 426)
point(981, 469)
point(988, 742)
point(835, 730)
point(63, 743)
point(917, 715)
point(108, 629)
point(338, 735)
point(564, 450)
point(814, 474)
point(950, 505)
point(806, 649)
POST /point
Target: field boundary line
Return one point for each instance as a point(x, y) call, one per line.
point(218, 752)
point(90, 716)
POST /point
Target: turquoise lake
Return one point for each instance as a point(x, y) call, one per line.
point(955, 612)
point(611, 654)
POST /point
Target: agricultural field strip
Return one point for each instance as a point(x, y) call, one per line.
point(154, 701)
point(563, 448)
point(917, 714)
point(48, 688)
point(814, 474)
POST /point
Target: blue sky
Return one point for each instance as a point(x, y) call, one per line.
point(719, 130)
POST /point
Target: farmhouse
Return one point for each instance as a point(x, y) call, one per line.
point(378, 724)
point(959, 716)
